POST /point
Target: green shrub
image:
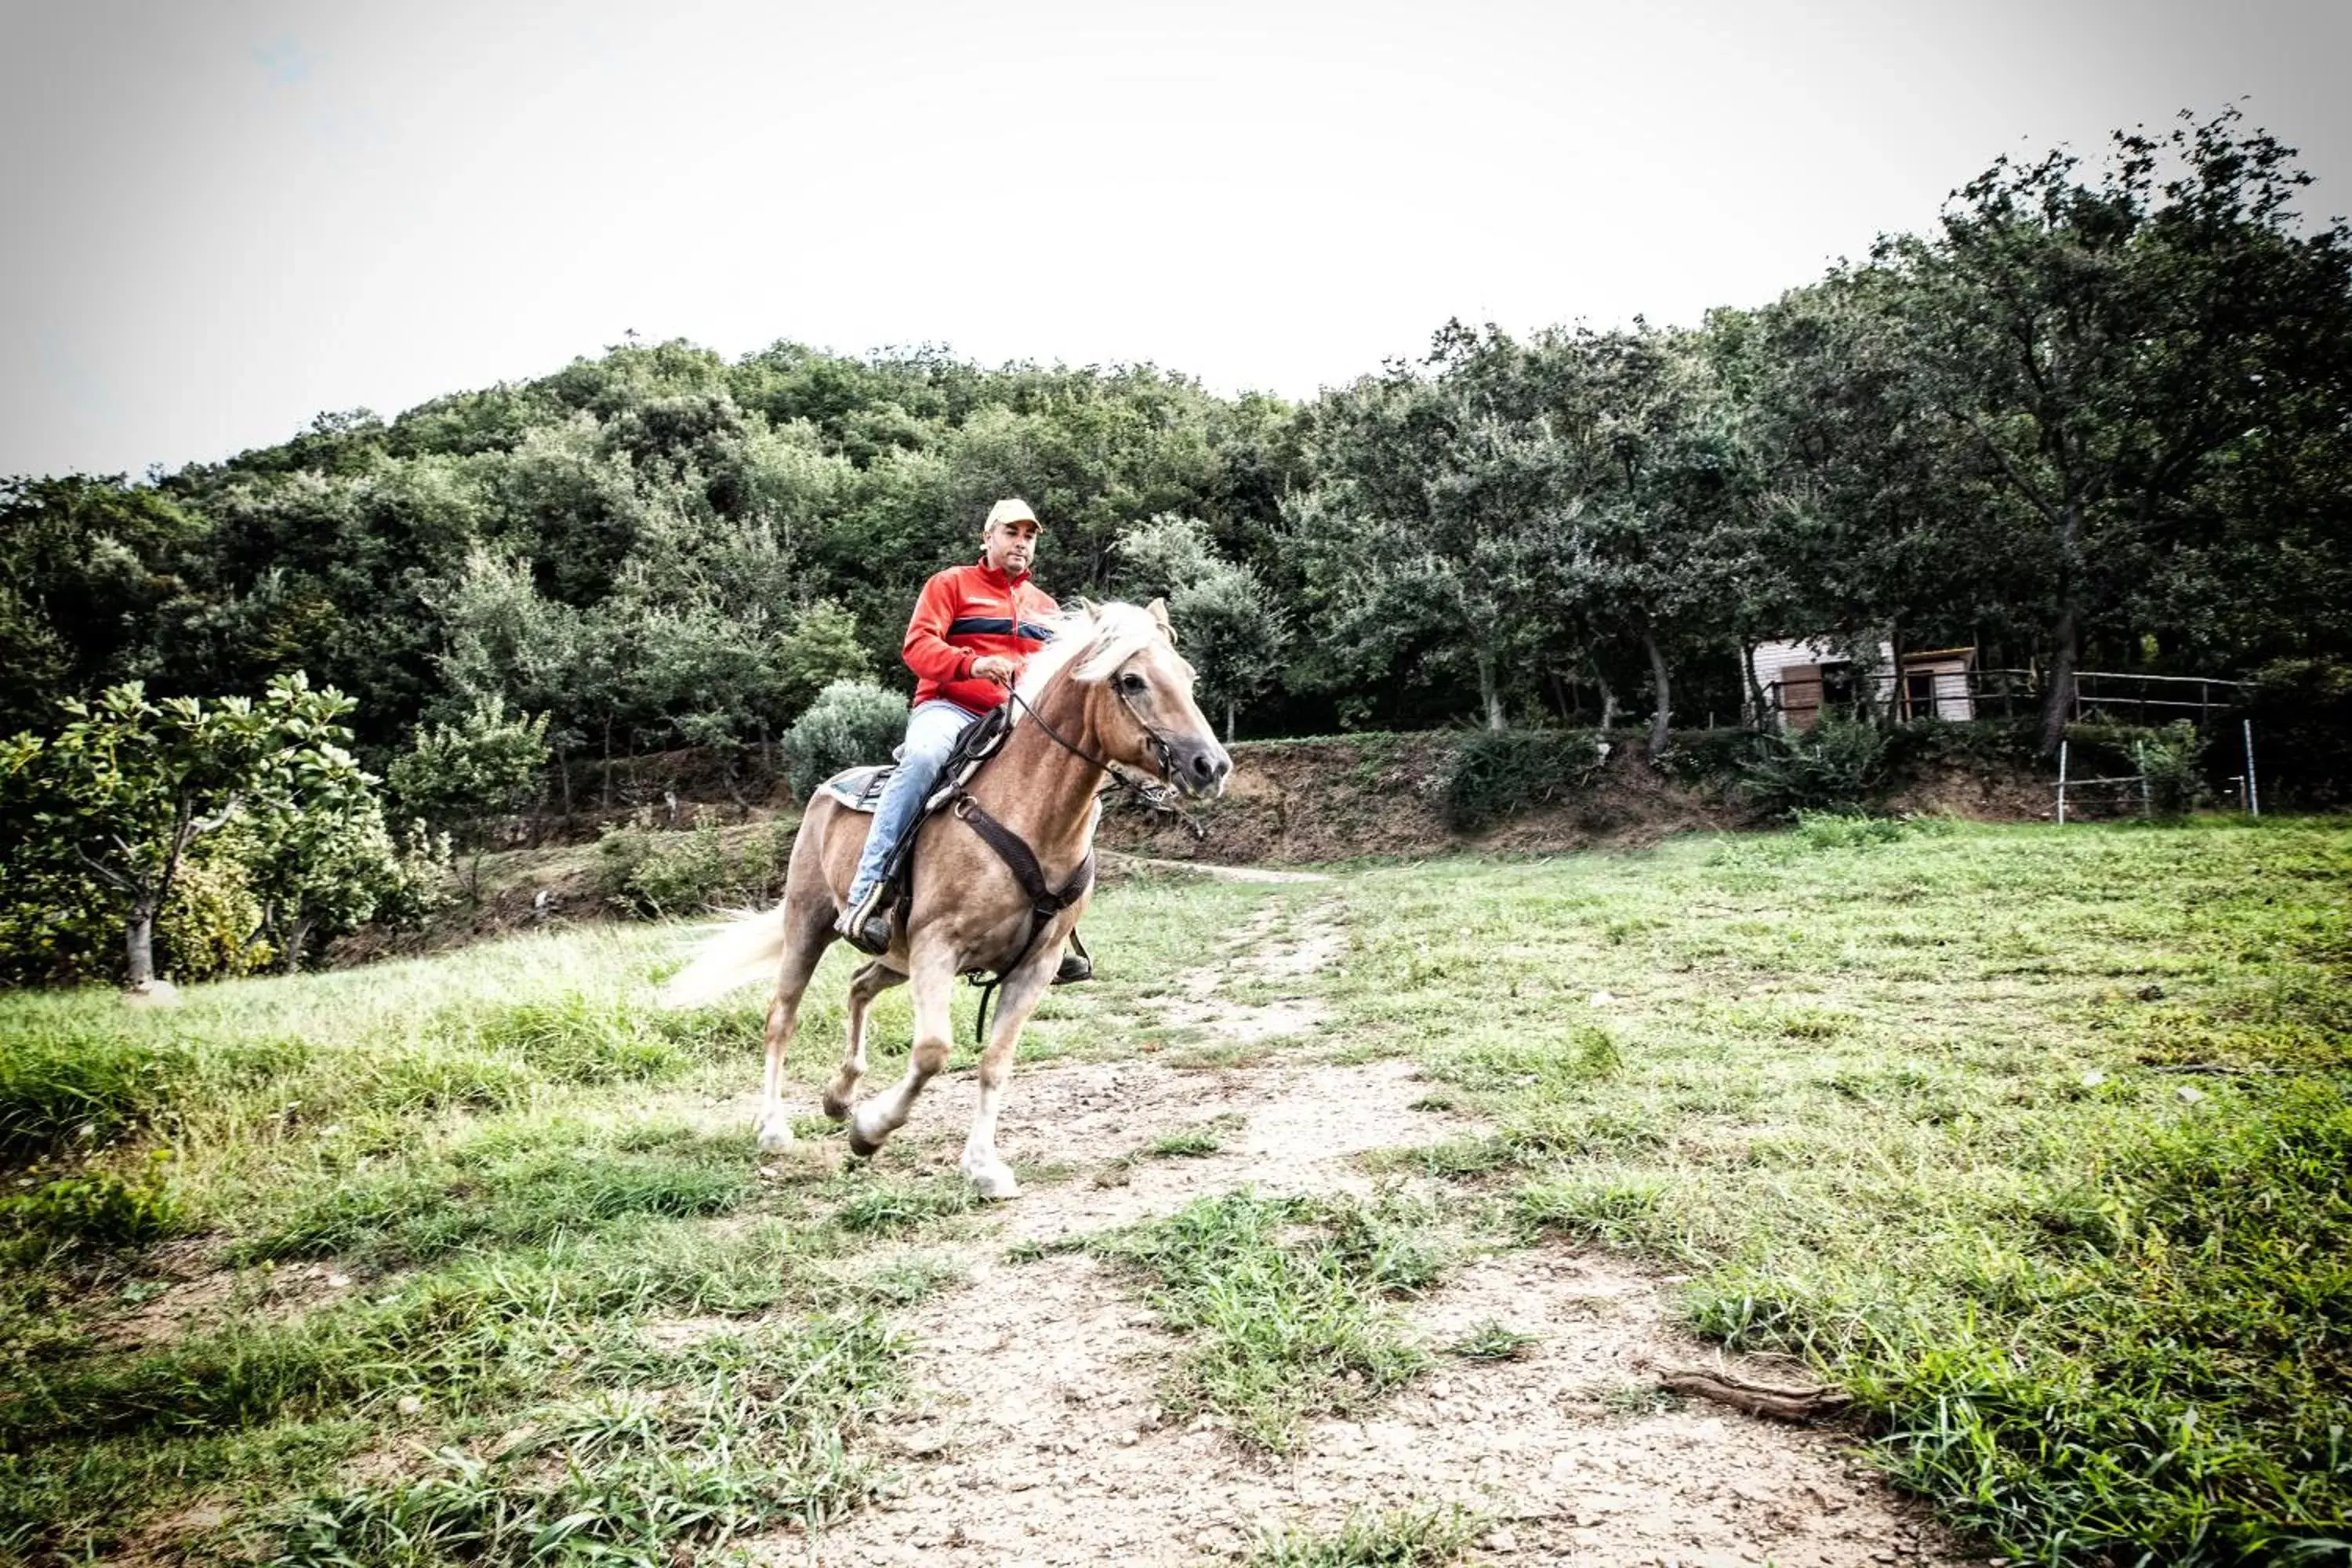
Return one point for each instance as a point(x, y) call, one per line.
point(2302, 712)
point(1494, 773)
point(94, 1208)
point(1837, 762)
point(206, 926)
point(2172, 761)
point(1857, 830)
point(57, 925)
point(1997, 744)
point(852, 722)
point(661, 874)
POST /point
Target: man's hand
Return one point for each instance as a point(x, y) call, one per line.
point(996, 666)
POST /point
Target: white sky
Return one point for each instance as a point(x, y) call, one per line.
point(224, 218)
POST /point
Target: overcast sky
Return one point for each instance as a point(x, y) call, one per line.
point(225, 218)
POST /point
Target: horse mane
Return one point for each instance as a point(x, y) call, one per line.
point(1089, 642)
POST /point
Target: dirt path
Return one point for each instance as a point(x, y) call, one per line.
point(1036, 1434)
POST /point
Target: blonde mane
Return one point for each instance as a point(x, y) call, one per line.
point(1089, 644)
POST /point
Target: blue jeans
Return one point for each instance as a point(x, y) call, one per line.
point(931, 731)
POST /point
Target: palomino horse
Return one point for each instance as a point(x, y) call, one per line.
point(1108, 690)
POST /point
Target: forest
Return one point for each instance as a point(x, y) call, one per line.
point(2098, 416)
point(2101, 411)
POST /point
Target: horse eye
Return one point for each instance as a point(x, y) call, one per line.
point(1132, 684)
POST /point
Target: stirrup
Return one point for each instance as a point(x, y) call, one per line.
point(865, 925)
point(1076, 964)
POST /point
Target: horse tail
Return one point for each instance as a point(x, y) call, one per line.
point(746, 949)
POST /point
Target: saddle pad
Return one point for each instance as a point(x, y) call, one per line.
point(859, 789)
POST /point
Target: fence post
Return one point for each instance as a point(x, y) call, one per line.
point(2253, 791)
point(2061, 782)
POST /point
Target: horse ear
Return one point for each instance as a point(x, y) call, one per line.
point(1159, 608)
point(1086, 608)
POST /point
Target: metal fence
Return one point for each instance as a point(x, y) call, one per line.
point(2121, 696)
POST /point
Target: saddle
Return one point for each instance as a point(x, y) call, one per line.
point(860, 788)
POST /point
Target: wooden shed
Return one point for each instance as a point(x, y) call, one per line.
point(1802, 677)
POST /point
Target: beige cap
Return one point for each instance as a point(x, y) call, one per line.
point(1012, 509)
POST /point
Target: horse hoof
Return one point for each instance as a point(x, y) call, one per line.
point(836, 1106)
point(994, 1183)
point(774, 1131)
point(859, 1146)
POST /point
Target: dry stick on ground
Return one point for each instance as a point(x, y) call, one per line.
point(1756, 1398)
point(2218, 1070)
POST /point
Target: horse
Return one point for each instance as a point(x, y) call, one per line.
point(1108, 692)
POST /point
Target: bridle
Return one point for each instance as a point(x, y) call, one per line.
point(1158, 796)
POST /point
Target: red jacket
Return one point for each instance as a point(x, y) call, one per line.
point(967, 613)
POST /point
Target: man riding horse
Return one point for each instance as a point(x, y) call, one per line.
point(973, 628)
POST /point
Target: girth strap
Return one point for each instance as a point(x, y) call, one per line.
point(1044, 903)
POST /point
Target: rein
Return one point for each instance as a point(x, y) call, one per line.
point(1158, 798)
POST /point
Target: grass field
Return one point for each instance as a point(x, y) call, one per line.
point(2034, 1140)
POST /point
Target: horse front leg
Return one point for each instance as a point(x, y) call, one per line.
point(1024, 989)
point(885, 1113)
point(871, 981)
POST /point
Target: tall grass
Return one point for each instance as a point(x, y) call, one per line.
point(1909, 1101)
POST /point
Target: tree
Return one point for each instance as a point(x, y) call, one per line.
point(85, 568)
point(821, 648)
point(131, 784)
point(1431, 535)
point(321, 861)
point(463, 775)
point(1233, 631)
point(2101, 343)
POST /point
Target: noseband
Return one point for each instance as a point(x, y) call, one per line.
point(1158, 798)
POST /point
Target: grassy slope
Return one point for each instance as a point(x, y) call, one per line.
point(1901, 1107)
point(1892, 1104)
point(524, 1173)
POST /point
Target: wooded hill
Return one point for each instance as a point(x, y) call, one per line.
point(2101, 411)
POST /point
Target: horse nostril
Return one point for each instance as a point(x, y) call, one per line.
point(1204, 764)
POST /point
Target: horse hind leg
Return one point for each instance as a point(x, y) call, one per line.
point(871, 981)
point(808, 931)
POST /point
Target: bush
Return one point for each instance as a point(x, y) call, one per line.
point(466, 775)
point(206, 928)
point(1837, 762)
point(93, 1209)
point(1999, 744)
point(661, 874)
point(852, 722)
point(57, 925)
point(1494, 773)
point(2172, 757)
point(2301, 711)
point(1855, 830)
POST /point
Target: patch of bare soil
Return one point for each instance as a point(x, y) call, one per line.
point(1117, 864)
point(1980, 794)
point(1037, 1437)
point(197, 1293)
point(1304, 801)
point(1256, 953)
